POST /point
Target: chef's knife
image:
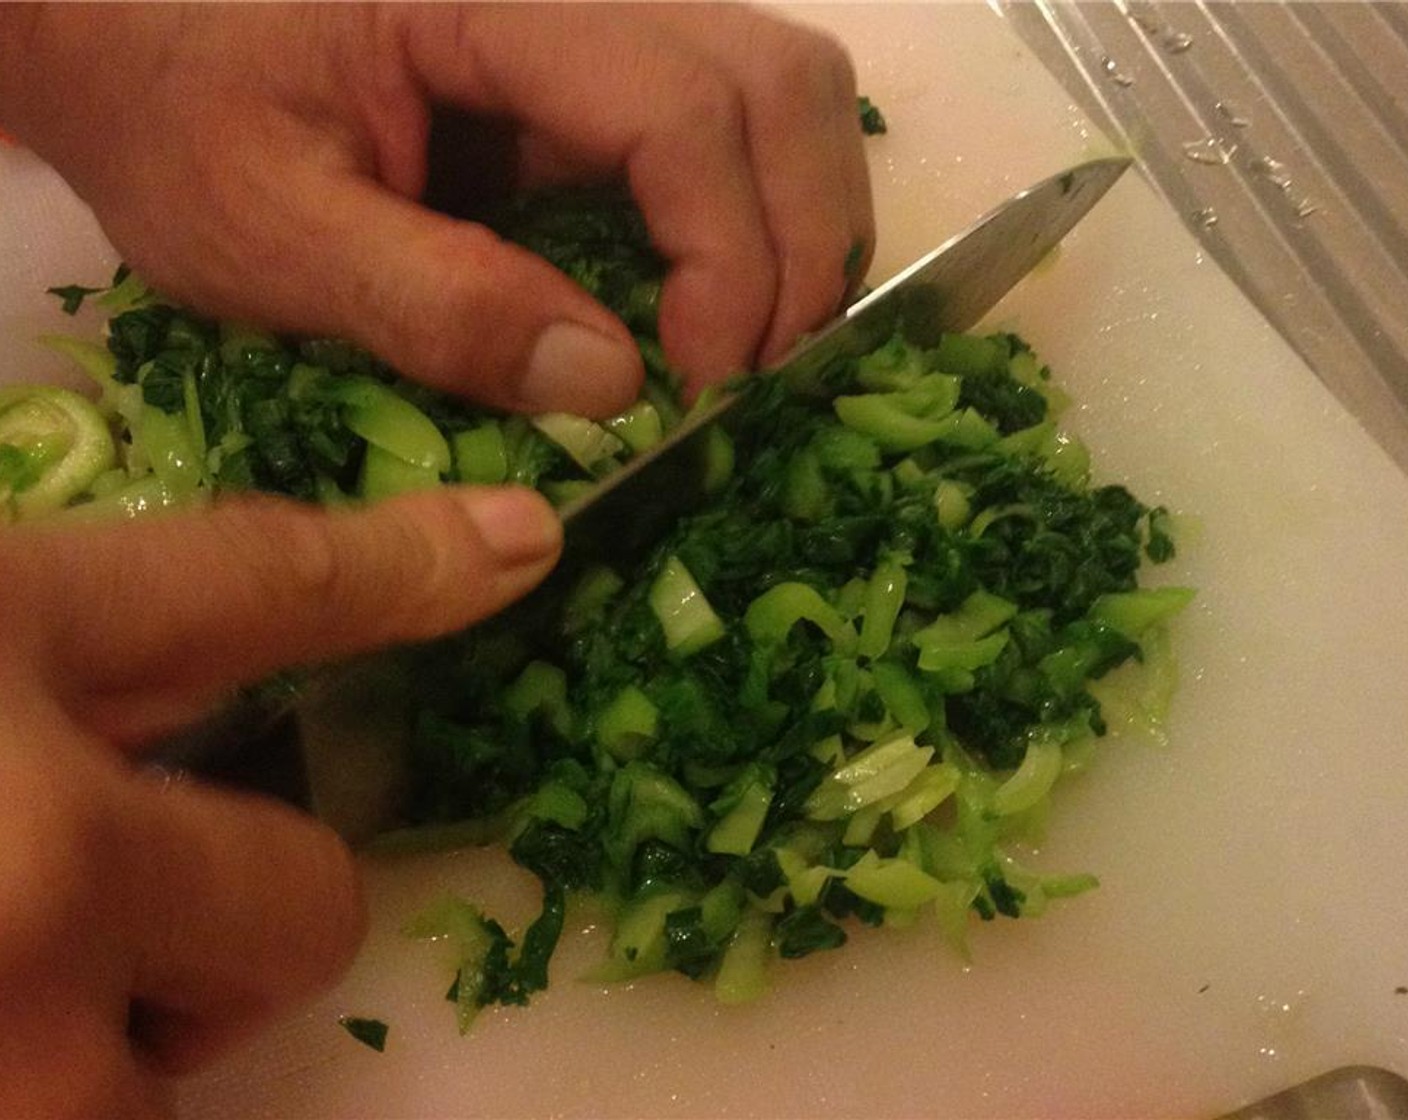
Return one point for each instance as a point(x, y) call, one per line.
point(948, 289)
point(1348, 1093)
point(352, 769)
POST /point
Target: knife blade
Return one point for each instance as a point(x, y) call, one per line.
point(348, 728)
point(1347, 1093)
point(948, 289)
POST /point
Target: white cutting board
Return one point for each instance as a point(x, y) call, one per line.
point(1252, 924)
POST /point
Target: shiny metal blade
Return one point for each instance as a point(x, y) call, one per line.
point(1349, 1093)
point(948, 289)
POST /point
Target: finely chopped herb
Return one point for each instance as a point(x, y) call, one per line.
point(369, 1032)
point(834, 697)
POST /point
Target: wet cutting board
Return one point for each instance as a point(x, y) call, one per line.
point(1250, 926)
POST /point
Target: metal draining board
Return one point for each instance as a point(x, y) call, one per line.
point(1279, 131)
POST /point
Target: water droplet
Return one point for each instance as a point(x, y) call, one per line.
point(1176, 42)
point(1209, 150)
point(1228, 113)
point(1272, 170)
point(1111, 67)
point(1205, 217)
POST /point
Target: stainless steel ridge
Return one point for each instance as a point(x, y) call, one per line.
point(1279, 132)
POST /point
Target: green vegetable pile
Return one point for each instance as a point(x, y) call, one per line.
point(835, 697)
point(830, 698)
point(204, 406)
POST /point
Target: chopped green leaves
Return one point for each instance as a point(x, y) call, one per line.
point(872, 121)
point(838, 691)
point(71, 296)
point(831, 698)
point(369, 1032)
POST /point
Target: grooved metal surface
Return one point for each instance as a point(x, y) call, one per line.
point(1279, 132)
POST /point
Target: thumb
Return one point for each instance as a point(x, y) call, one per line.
point(140, 627)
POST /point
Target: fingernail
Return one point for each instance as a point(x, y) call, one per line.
point(515, 523)
point(576, 369)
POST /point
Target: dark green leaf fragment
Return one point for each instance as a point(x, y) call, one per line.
point(1159, 546)
point(806, 930)
point(1003, 898)
point(72, 296)
point(872, 121)
point(565, 857)
point(369, 1032)
point(759, 872)
point(688, 947)
point(539, 941)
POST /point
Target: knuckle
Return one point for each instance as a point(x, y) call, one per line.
point(439, 588)
point(291, 564)
point(310, 565)
point(402, 570)
point(713, 102)
point(808, 74)
point(286, 552)
point(436, 332)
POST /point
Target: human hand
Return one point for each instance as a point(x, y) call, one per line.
point(143, 930)
point(262, 162)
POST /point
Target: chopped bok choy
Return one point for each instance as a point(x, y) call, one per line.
point(836, 696)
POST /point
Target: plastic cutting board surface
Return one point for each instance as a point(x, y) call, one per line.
point(1249, 929)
